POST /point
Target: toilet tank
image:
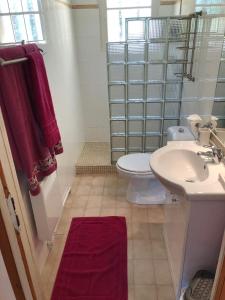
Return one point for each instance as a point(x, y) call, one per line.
point(179, 133)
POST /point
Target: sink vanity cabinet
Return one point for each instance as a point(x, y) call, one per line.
point(195, 222)
point(193, 232)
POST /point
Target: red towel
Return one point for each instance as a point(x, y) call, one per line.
point(94, 261)
point(26, 121)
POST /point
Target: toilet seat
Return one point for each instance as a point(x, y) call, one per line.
point(136, 163)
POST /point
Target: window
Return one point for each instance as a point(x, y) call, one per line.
point(210, 6)
point(20, 20)
point(119, 10)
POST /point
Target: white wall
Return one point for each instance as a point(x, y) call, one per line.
point(6, 291)
point(93, 73)
point(62, 69)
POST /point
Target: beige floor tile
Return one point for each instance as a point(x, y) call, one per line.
point(156, 232)
point(111, 181)
point(64, 223)
point(109, 202)
point(83, 190)
point(106, 212)
point(92, 212)
point(79, 201)
point(86, 180)
point(124, 212)
point(156, 214)
point(50, 269)
point(130, 267)
point(121, 202)
point(121, 191)
point(94, 202)
point(142, 249)
point(109, 191)
point(140, 231)
point(130, 249)
point(76, 212)
point(165, 292)
point(96, 190)
point(131, 292)
point(98, 180)
point(159, 250)
point(139, 214)
point(143, 272)
point(145, 292)
point(129, 230)
point(162, 272)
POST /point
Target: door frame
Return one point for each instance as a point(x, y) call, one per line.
point(21, 243)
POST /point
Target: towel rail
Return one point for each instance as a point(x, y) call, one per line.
point(12, 61)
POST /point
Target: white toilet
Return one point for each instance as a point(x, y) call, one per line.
point(143, 187)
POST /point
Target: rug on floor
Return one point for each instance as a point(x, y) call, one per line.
point(94, 261)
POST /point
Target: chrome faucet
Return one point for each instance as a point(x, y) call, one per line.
point(213, 153)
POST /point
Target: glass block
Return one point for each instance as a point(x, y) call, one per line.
point(118, 110)
point(6, 35)
point(172, 91)
point(172, 70)
point(152, 142)
point(135, 126)
point(157, 29)
point(174, 53)
point(135, 91)
point(117, 92)
point(134, 143)
point(172, 109)
point(118, 142)
point(156, 51)
point(155, 72)
point(136, 52)
point(135, 30)
point(221, 123)
point(168, 123)
point(154, 91)
point(153, 125)
point(15, 5)
point(118, 127)
point(219, 108)
point(30, 5)
point(220, 90)
point(177, 28)
point(33, 26)
point(136, 72)
point(116, 155)
point(19, 28)
point(135, 109)
point(222, 70)
point(154, 109)
point(164, 141)
point(116, 73)
point(116, 52)
point(4, 6)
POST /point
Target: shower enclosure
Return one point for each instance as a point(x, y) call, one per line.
point(146, 75)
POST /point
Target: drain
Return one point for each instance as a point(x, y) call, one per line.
point(190, 180)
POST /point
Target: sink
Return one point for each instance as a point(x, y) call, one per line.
point(182, 171)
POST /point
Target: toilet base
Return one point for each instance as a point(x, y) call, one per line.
point(146, 191)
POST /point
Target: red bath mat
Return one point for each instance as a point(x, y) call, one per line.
point(94, 261)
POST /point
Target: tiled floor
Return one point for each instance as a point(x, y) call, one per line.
point(148, 270)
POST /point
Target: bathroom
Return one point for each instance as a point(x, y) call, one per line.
point(95, 135)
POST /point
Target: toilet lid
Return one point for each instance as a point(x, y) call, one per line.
point(137, 162)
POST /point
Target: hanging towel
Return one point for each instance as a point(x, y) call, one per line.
point(32, 151)
point(41, 97)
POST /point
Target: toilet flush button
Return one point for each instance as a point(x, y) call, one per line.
point(181, 129)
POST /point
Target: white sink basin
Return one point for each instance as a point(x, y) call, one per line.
point(182, 171)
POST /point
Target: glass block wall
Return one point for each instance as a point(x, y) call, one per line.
point(145, 83)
